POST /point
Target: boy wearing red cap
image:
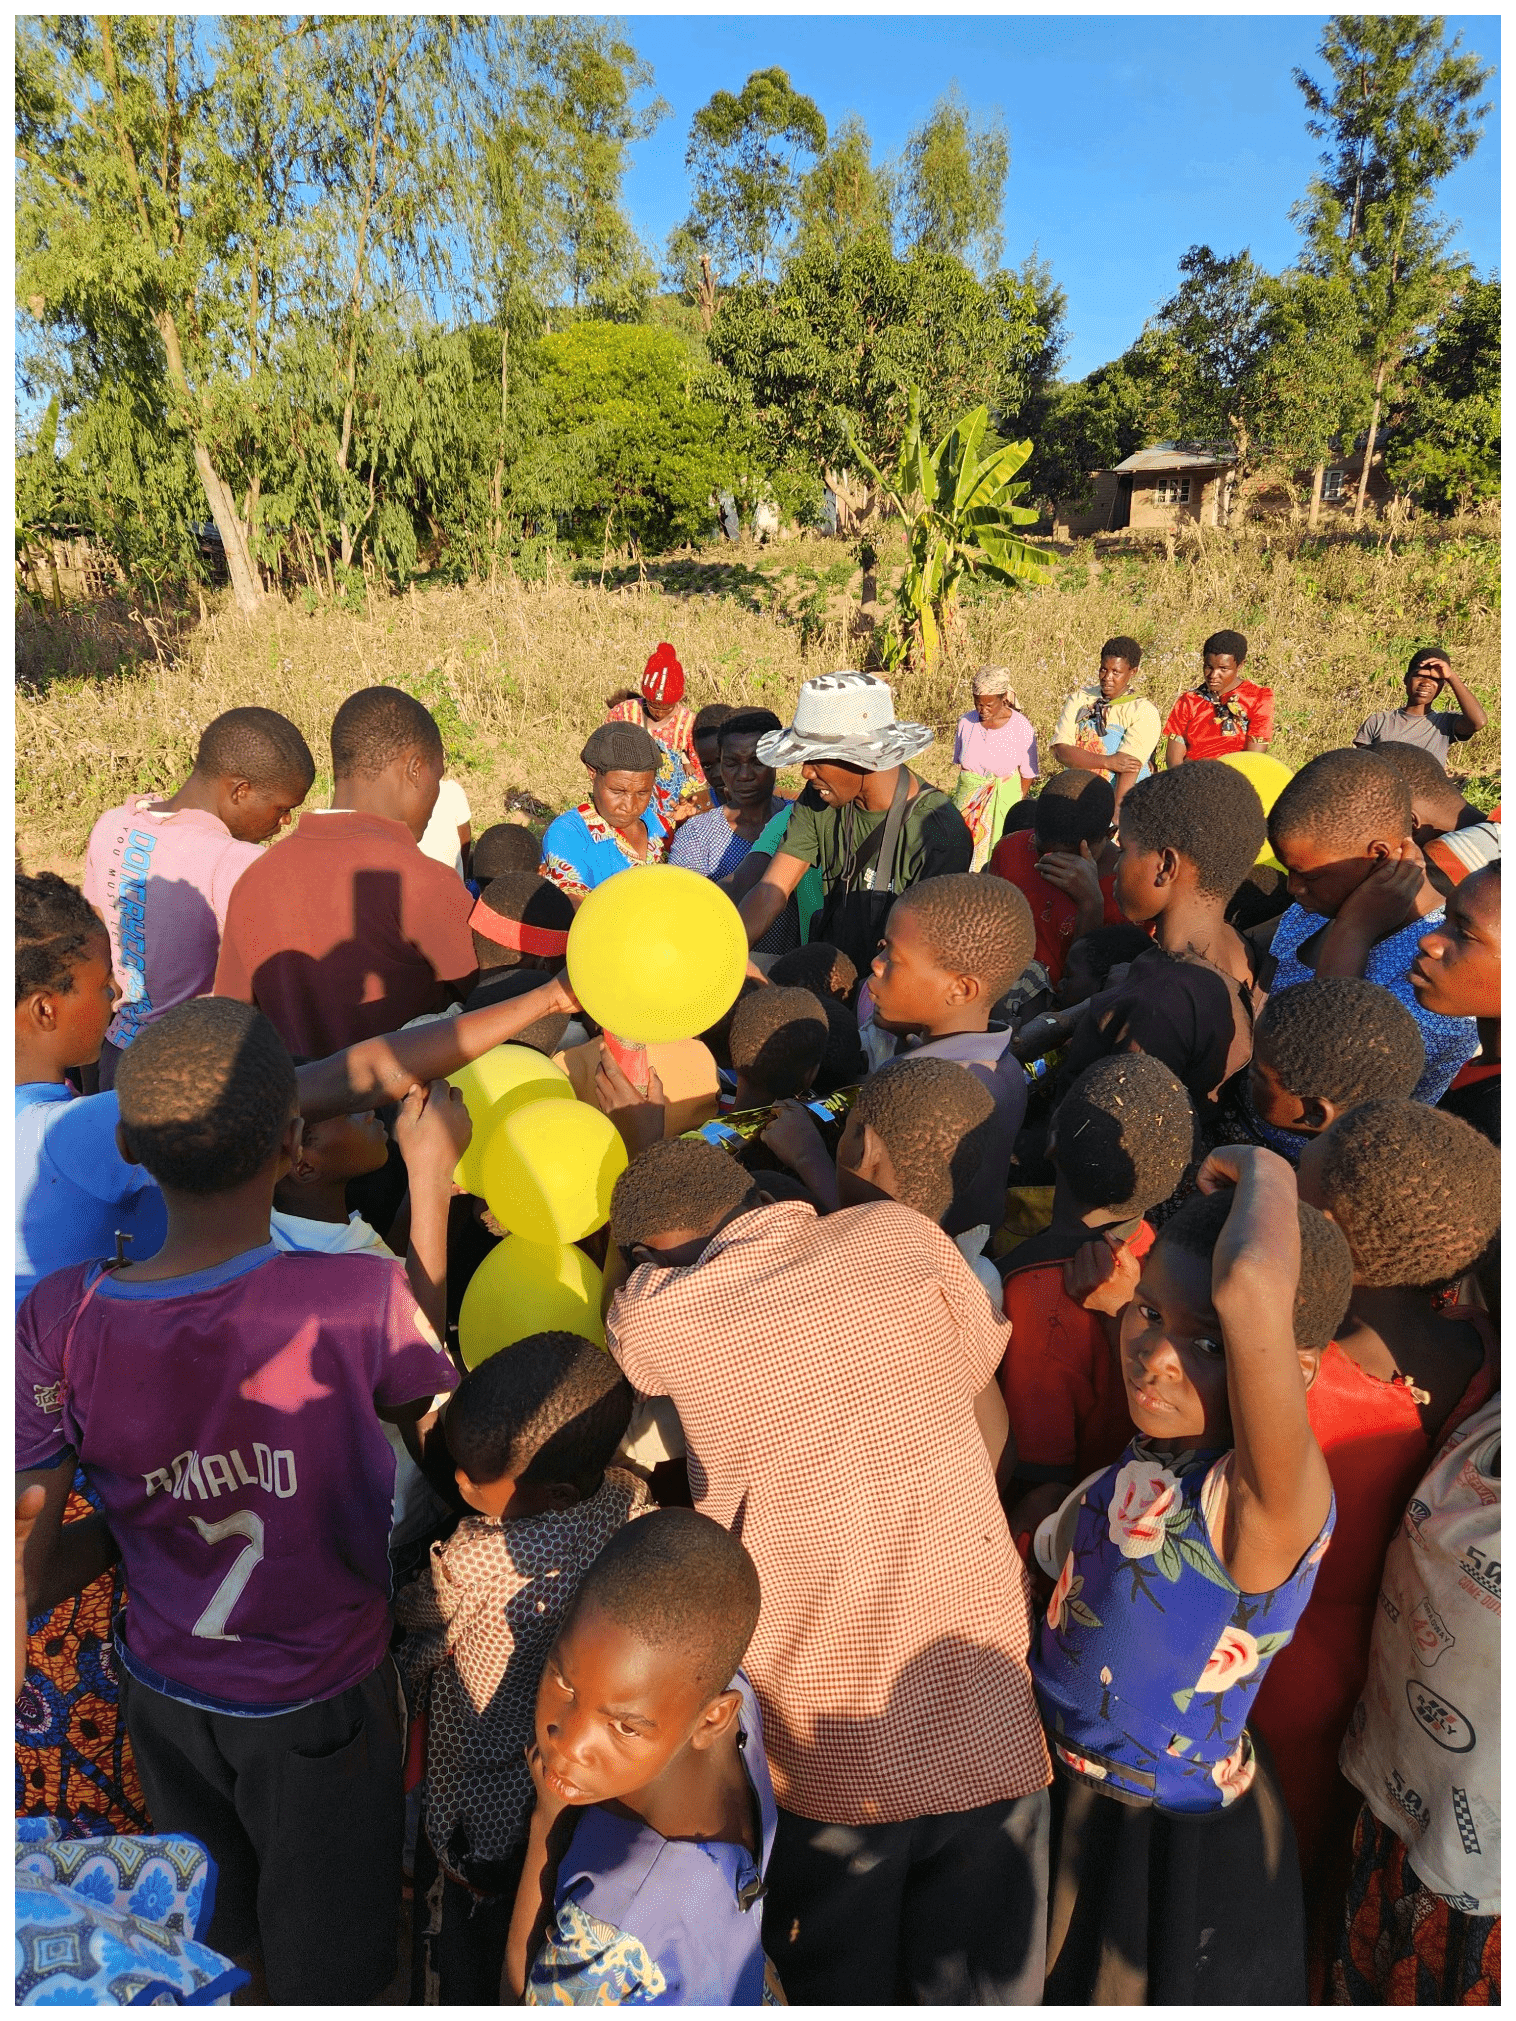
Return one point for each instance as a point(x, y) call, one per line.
point(661, 710)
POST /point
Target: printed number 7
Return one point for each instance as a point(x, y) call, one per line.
point(244, 1523)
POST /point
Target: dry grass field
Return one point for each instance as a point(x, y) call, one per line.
point(109, 703)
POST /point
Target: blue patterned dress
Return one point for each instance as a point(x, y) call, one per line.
point(1449, 1042)
point(1149, 1658)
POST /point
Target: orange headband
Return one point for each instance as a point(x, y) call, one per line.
point(516, 934)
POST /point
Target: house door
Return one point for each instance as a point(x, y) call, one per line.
point(1121, 508)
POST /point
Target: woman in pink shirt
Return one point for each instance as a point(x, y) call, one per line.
point(996, 753)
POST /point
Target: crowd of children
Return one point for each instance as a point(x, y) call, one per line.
point(1031, 1533)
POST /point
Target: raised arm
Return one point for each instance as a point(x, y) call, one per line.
point(1280, 1490)
point(1474, 717)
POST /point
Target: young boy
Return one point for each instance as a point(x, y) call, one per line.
point(1416, 722)
point(1105, 729)
point(520, 923)
point(819, 967)
point(655, 1815)
point(508, 846)
point(224, 1400)
point(777, 1041)
point(1120, 1142)
point(531, 1433)
point(1453, 835)
point(1057, 865)
point(347, 930)
point(1319, 1049)
point(160, 872)
point(953, 946)
point(1342, 829)
point(1224, 712)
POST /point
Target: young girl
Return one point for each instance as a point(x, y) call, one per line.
point(1173, 1877)
point(996, 755)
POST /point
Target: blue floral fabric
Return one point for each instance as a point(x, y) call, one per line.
point(1149, 1659)
point(115, 1922)
point(1449, 1042)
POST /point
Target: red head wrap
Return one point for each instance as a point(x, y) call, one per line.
point(663, 677)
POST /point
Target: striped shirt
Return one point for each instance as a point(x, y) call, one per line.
point(832, 1428)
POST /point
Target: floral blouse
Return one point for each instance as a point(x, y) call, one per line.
point(1149, 1658)
point(580, 850)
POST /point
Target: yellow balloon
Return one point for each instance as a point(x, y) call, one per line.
point(657, 953)
point(1268, 778)
point(549, 1168)
point(498, 1081)
point(526, 1287)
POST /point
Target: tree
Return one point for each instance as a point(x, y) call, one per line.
point(1311, 389)
point(951, 185)
point(1218, 321)
point(1445, 446)
point(1098, 421)
point(1398, 113)
point(743, 155)
point(844, 197)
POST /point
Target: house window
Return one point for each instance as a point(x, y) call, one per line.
point(1331, 484)
point(1173, 491)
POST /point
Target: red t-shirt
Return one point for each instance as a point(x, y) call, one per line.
point(1060, 1379)
point(344, 930)
point(1247, 711)
point(1053, 911)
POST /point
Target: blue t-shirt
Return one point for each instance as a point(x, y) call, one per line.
point(74, 1189)
point(580, 850)
point(666, 1922)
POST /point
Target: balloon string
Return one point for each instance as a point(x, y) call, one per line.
point(632, 1060)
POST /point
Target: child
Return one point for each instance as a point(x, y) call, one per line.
point(777, 1041)
point(953, 946)
point(531, 1433)
point(660, 709)
point(1105, 729)
point(520, 925)
point(160, 872)
point(1120, 1142)
point(508, 846)
point(224, 1401)
point(1416, 722)
point(346, 930)
point(1342, 829)
point(1452, 834)
point(1182, 1569)
point(655, 1815)
point(821, 968)
point(1457, 974)
point(1319, 1049)
point(1056, 865)
point(1224, 712)
point(707, 744)
point(1093, 960)
point(1417, 1195)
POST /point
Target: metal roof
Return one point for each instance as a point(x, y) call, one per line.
point(1170, 456)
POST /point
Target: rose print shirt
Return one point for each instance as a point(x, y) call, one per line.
point(1147, 1663)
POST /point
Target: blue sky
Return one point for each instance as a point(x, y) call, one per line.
point(1132, 138)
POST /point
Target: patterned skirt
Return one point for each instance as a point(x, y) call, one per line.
point(1403, 1946)
point(73, 1759)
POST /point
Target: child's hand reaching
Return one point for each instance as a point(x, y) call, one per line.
point(638, 1117)
point(432, 1130)
point(563, 998)
point(794, 1138)
point(1102, 1278)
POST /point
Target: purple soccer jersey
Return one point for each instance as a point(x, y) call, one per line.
point(228, 1422)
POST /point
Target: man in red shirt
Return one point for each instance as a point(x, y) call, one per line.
point(1056, 864)
point(345, 930)
point(1225, 712)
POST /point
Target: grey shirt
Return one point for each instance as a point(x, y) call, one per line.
point(1437, 731)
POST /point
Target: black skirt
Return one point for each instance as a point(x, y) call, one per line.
point(1149, 1909)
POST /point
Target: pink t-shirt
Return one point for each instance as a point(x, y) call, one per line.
point(161, 882)
point(228, 1423)
point(996, 754)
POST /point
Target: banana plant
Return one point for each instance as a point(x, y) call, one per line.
point(958, 509)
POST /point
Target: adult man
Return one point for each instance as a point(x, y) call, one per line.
point(865, 820)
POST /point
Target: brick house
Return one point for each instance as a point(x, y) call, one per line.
point(1170, 485)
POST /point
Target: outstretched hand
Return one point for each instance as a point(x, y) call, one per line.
point(432, 1129)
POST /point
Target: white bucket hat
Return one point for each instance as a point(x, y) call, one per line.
point(845, 718)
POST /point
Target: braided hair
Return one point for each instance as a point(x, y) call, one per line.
point(56, 929)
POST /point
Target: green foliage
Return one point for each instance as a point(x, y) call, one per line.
point(743, 157)
point(844, 198)
point(1097, 422)
point(1445, 446)
point(951, 185)
point(958, 508)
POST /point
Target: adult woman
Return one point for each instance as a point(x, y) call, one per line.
point(617, 826)
point(715, 843)
point(996, 753)
point(661, 710)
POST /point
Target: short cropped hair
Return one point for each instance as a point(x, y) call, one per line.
point(1426, 776)
point(711, 717)
point(375, 727)
point(551, 1408)
point(1416, 1191)
point(1232, 643)
point(258, 745)
point(819, 967)
point(778, 1038)
point(1341, 1039)
point(1122, 648)
point(843, 1064)
point(530, 900)
point(1206, 812)
point(1326, 1266)
point(1344, 798)
point(680, 1583)
point(1419, 659)
point(1073, 807)
point(1106, 947)
point(978, 926)
point(747, 723)
point(509, 845)
point(205, 1093)
point(684, 1182)
point(56, 929)
point(936, 1120)
point(620, 747)
point(1124, 1134)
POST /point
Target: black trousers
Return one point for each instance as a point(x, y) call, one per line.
point(458, 1950)
point(304, 1817)
point(947, 1911)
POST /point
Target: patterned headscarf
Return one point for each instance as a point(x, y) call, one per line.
point(995, 681)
